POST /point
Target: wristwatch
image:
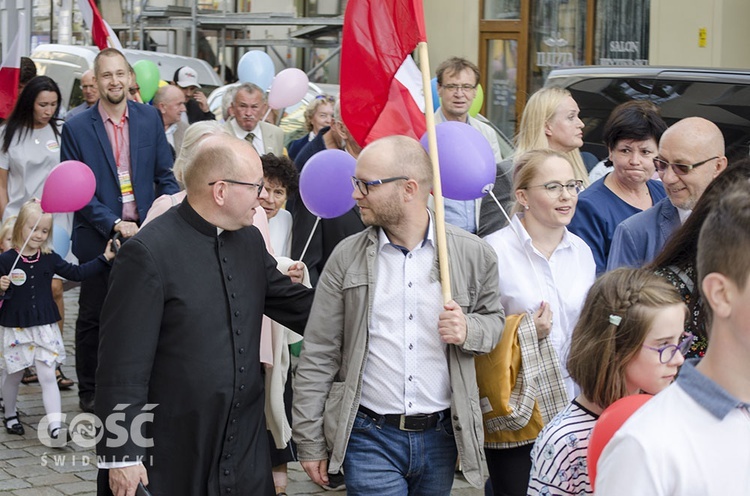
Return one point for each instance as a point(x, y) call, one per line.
point(117, 221)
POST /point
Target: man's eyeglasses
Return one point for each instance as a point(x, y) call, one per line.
point(667, 352)
point(258, 186)
point(679, 169)
point(466, 88)
point(134, 90)
point(364, 186)
point(555, 189)
point(88, 86)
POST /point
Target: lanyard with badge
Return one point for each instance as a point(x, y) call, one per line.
point(123, 174)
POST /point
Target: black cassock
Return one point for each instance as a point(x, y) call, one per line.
point(180, 329)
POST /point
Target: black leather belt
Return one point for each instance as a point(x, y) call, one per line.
point(410, 423)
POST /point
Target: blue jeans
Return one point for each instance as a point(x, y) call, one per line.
point(382, 460)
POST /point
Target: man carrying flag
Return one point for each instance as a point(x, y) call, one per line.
point(386, 376)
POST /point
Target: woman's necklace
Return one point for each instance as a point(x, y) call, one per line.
point(30, 260)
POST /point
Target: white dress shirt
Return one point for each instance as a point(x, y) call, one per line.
point(406, 371)
point(563, 281)
point(257, 140)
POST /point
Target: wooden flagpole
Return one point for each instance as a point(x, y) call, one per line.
point(437, 189)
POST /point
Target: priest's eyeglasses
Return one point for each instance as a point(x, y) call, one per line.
point(364, 186)
point(667, 352)
point(554, 189)
point(258, 186)
point(679, 169)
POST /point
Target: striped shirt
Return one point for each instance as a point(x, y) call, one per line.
point(559, 454)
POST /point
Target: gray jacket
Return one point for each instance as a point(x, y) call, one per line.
point(329, 377)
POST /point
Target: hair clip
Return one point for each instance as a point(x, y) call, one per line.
point(615, 319)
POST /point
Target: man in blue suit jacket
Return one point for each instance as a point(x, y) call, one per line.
point(639, 238)
point(698, 145)
point(128, 178)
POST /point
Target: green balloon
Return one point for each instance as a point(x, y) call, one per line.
point(147, 76)
point(476, 105)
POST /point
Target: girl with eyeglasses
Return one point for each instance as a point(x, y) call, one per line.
point(545, 271)
point(628, 340)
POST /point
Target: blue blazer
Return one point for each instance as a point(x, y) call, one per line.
point(639, 239)
point(85, 139)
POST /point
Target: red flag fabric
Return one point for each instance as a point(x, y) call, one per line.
point(101, 34)
point(10, 72)
point(378, 38)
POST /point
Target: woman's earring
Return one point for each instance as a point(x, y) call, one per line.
point(526, 207)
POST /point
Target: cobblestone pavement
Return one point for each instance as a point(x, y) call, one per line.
point(29, 468)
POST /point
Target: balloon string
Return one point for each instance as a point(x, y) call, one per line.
point(25, 243)
point(267, 112)
point(309, 239)
point(523, 249)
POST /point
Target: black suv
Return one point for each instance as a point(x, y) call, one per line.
point(719, 95)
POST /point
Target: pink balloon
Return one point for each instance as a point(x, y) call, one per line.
point(68, 188)
point(325, 183)
point(288, 88)
point(467, 164)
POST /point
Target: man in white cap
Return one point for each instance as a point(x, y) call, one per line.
point(195, 101)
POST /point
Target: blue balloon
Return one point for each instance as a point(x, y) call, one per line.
point(435, 97)
point(256, 67)
point(60, 240)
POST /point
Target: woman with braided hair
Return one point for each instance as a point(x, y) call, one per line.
point(628, 340)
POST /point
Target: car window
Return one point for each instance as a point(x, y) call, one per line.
point(678, 95)
point(725, 104)
point(76, 94)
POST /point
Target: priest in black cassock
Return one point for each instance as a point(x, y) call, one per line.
point(180, 338)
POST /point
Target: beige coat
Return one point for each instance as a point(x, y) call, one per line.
point(329, 376)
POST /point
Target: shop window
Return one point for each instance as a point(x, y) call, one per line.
point(556, 38)
point(622, 28)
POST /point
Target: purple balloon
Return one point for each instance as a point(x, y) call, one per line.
point(467, 164)
point(325, 183)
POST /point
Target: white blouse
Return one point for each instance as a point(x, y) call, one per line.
point(563, 281)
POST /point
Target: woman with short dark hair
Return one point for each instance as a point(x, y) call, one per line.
point(632, 135)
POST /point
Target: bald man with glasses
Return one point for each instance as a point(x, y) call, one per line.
point(180, 336)
point(90, 94)
point(691, 155)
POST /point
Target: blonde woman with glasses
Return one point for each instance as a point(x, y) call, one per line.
point(545, 271)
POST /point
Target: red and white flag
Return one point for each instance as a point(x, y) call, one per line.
point(381, 86)
point(101, 32)
point(10, 72)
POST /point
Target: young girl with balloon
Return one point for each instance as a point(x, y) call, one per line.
point(628, 340)
point(28, 317)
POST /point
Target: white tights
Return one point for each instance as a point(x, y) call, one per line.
point(50, 393)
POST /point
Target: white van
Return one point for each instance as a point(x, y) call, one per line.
point(66, 63)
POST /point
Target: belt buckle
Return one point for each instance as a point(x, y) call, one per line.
point(422, 419)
